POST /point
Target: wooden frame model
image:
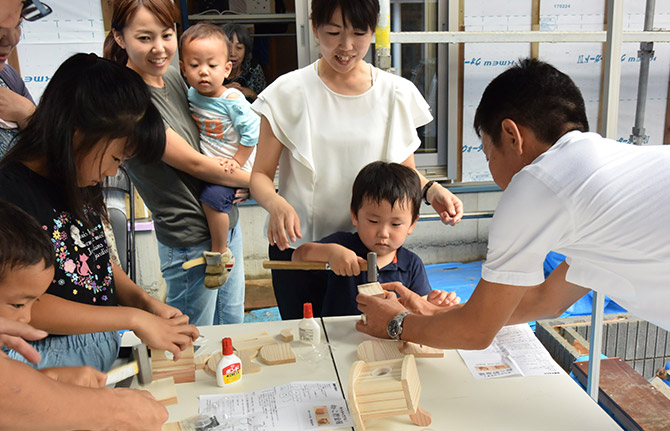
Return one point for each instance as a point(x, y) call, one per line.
point(385, 388)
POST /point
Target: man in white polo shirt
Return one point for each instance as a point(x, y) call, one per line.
point(602, 203)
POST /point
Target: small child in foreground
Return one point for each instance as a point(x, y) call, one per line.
point(26, 271)
point(384, 208)
point(228, 129)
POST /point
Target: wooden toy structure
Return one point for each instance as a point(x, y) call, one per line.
point(385, 388)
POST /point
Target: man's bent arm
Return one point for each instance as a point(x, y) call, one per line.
point(32, 401)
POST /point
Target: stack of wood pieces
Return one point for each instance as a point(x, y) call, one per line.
point(381, 350)
point(371, 289)
point(183, 369)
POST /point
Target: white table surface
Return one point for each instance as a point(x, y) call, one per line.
point(454, 398)
point(457, 401)
point(308, 366)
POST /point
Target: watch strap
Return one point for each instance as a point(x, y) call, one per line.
point(424, 191)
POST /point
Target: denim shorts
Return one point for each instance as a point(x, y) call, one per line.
point(98, 350)
point(218, 197)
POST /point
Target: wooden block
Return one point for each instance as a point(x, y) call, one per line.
point(253, 341)
point(181, 375)
point(277, 354)
point(183, 370)
point(159, 359)
point(372, 289)
point(248, 366)
point(163, 390)
point(632, 400)
point(420, 351)
point(286, 335)
point(172, 426)
point(378, 350)
point(382, 350)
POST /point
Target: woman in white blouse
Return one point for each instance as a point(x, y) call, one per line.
point(321, 124)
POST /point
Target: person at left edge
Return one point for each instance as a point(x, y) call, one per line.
point(93, 116)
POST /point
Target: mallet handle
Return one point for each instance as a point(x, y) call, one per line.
point(307, 266)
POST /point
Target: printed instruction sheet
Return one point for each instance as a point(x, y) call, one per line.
point(296, 406)
point(514, 351)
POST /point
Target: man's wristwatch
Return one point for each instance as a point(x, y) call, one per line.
point(424, 191)
point(394, 328)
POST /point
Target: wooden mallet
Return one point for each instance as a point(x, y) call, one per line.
point(315, 266)
point(141, 365)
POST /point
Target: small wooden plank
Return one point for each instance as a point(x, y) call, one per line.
point(286, 335)
point(276, 354)
point(172, 426)
point(371, 289)
point(631, 399)
point(378, 350)
point(181, 375)
point(382, 350)
point(253, 341)
point(420, 351)
point(163, 390)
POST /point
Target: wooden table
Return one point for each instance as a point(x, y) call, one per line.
point(455, 399)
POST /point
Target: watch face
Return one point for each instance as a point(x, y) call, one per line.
point(393, 328)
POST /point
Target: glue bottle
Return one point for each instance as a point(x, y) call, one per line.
point(309, 331)
point(229, 368)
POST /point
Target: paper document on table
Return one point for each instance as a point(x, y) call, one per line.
point(296, 406)
point(514, 351)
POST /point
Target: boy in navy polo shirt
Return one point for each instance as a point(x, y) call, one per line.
point(384, 208)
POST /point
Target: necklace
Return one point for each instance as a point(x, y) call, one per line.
point(164, 90)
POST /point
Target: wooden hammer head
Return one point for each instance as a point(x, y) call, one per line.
point(141, 356)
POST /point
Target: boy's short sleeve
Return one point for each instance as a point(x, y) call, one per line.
point(418, 277)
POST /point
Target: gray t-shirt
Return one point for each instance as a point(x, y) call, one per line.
point(170, 194)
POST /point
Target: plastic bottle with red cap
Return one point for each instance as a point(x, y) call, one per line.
point(229, 368)
point(309, 331)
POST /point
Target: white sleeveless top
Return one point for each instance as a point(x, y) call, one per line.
point(329, 137)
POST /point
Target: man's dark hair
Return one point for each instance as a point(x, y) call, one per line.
point(535, 95)
point(391, 182)
point(362, 14)
point(23, 242)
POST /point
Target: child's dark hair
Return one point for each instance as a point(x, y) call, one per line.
point(123, 11)
point(533, 94)
point(99, 101)
point(204, 30)
point(231, 29)
point(362, 14)
point(391, 182)
point(23, 242)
